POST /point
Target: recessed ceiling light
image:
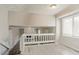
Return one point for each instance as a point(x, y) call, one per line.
point(53, 6)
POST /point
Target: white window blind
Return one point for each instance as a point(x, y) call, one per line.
point(76, 25)
point(67, 26)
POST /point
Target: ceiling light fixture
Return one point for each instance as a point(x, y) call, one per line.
point(53, 6)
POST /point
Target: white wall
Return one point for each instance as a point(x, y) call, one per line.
point(41, 20)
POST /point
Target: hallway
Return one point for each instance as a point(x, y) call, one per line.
point(35, 25)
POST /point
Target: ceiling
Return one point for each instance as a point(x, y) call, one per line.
point(38, 8)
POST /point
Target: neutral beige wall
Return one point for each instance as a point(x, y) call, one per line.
point(41, 20)
point(4, 29)
point(18, 18)
point(22, 18)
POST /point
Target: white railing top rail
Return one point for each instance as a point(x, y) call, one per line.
point(38, 34)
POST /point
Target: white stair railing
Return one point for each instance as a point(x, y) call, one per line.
point(34, 39)
point(38, 38)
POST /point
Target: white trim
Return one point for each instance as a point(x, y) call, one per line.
point(39, 34)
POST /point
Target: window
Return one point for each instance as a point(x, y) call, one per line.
point(76, 25)
point(67, 26)
point(70, 26)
